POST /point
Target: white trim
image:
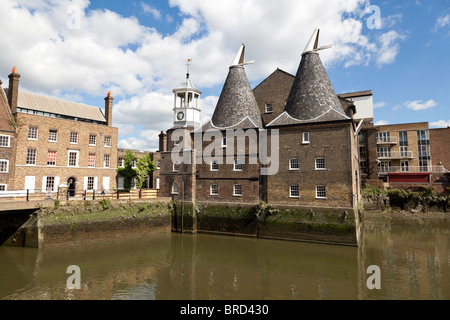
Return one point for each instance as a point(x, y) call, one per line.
point(7, 165)
point(9, 141)
point(211, 165)
point(290, 164)
point(224, 128)
point(234, 190)
point(303, 138)
point(315, 163)
point(290, 191)
point(211, 189)
point(325, 190)
point(68, 158)
point(4, 185)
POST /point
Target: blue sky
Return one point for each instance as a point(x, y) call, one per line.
point(80, 49)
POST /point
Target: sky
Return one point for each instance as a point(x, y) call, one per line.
point(79, 50)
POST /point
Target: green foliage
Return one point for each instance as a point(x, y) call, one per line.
point(105, 204)
point(127, 171)
point(142, 207)
point(144, 167)
point(57, 203)
point(264, 210)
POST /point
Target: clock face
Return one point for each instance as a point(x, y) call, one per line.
point(180, 115)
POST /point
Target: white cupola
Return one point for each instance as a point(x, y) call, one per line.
point(186, 103)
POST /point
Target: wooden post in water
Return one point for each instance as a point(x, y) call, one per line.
point(182, 207)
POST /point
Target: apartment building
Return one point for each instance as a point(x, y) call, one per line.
point(60, 142)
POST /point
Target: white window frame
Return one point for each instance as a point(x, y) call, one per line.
point(236, 188)
point(174, 189)
point(94, 136)
point(121, 162)
point(93, 183)
point(176, 167)
point(321, 191)
point(52, 133)
point(8, 140)
point(267, 109)
point(214, 189)
point(291, 191)
point(237, 166)
point(224, 142)
point(7, 165)
point(30, 129)
point(134, 163)
point(108, 141)
point(53, 184)
point(106, 161)
point(214, 162)
point(324, 164)
point(5, 187)
point(35, 157)
point(306, 138)
point(77, 159)
point(158, 164)
point(73, 135)
point(291, 167)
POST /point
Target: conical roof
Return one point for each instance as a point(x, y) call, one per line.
point(237, 105)
point(312, 97)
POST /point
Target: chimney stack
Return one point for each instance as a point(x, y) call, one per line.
point(108, 108)
point(162, 142)
point(13, 90)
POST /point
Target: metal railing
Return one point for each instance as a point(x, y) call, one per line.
point(387, 140)
point(395, 155)
point(37, 194)
point(413, 169)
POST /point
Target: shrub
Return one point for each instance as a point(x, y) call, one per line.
point(105, 204)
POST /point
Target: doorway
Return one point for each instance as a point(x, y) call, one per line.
point(71, 186)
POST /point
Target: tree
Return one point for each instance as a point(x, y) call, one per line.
point(144, 167)
point(127, 171)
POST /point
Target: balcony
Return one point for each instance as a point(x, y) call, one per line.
point(386, 140)
point(414, 169)
point(388, 155)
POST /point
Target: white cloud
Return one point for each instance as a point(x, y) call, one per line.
point(141, 66)
point(381, 123)
point(420, 105)
point(379, 105)
point(151, 10)
point(389, 47)
point(442, 22)
point(440, 124)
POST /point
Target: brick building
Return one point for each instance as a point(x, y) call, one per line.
point(7, 144)
point(440, 151)
point(61, 142)
point(318, 164)
point(152, 180)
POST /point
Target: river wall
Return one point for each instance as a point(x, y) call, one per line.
point(262, 221)
point(76, 223)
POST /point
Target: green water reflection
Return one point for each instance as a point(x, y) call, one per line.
point(414, 261)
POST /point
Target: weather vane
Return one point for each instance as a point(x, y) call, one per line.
point(188, 64)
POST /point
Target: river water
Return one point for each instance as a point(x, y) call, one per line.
point(413, 261)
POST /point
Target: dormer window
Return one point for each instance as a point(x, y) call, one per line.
point(269, 107)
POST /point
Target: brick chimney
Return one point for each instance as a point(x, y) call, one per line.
point(13, 91)
point(162, 142)
point(108, 108)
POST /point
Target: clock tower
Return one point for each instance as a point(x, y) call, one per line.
point(186, 98)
